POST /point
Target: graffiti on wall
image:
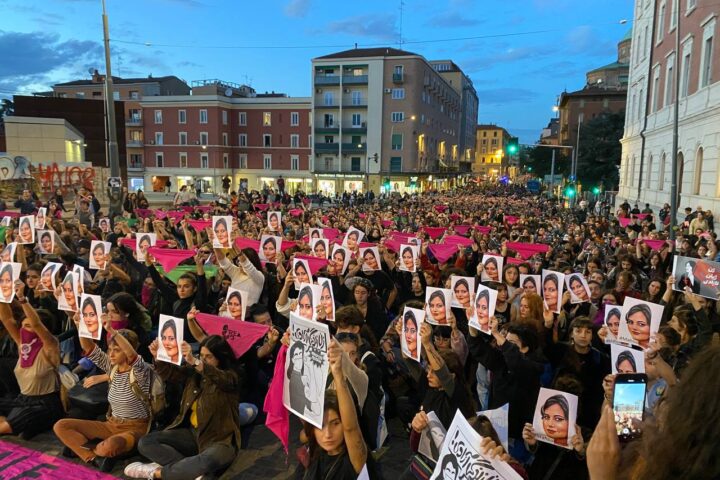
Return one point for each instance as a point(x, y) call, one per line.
point(48, 176)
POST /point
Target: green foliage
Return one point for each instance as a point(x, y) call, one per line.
point(600, 150)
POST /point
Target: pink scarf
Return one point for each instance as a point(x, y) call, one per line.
point(278, 419)
point(119, 325)
point(146, 294)
point(29, 348)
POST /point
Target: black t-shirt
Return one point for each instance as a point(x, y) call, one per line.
point(381, 281)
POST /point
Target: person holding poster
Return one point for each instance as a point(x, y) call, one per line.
point(26, 232)
point(235, 304)
point(269, 247)
point(371, 259)
point(411, 321)
point(9, 274)
point(274, 221)
point(90, 310)
point(438, 305)
point(407, 258)
point(578, 288)
point(463, 290)
point(221, 231)
point(327, 299)
point(66, 294)
point(47, 276)
point(555, 417)
point(46, 245)
point(170, 337)
point(99, 253)
point(340, 259)
point(552, 283)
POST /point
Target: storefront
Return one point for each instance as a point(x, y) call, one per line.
point(331, 184)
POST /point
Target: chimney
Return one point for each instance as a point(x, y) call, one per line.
point(96, 77)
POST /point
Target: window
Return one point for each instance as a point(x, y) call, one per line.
point(182, 116)
point(116, 95)
point(267, 140)
point(356, 120)
point(79, 94)
point(294, 119)
point(159, 159)
point(707, 55)
point(203, 116)
point(242, 160)
point(357, 98)
point(494, 142)
point(397, 141)
point(398, 71)
point(661, 173)
point(655, 90)
point(398, 93)
point(691, 4)
point(203, 138)
point(396, 164)
point(294, 162)
point(669, 73)
point(225, 139)
point(294, 141)
point(158, 138)
point(182, 138)
point(673, 16)
point(226, 160)
point(397, 116)
point(697, 178)
point(204, 160)
point(640, 104)
point(267, 162)
point(355, 164)
point(685, 82)
point(134, 95)
point(267, 119)
point(158, 117)
point(328, 99)
point(242, 140)
point(242, 118)
point(661, 22)
point(182, 157)
point(224, 117)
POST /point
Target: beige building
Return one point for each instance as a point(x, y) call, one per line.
point(491, 161)
point(44, 140)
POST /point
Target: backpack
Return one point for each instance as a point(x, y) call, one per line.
point(155, 402)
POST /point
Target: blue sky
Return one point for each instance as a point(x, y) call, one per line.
point(518, 74)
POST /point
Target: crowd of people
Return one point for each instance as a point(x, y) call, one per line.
point(188, 407)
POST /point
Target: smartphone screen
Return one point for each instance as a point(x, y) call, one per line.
point(629, 404)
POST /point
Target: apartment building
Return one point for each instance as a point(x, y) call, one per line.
point(491, 160)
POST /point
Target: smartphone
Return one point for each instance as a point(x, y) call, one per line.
point(629, 404)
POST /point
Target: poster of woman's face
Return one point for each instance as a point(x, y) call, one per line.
point(327, 298)
point(98, 252)
point(319, 247)
point(626, 360)
point(552, 289)
point(46, 241)
point(221, 226)
point(48, 276)
point(578, 288)
point(170, 339)
point(613, 314)
point(274, 221)
point(90, 312)
point(67, 300)
point(236, 301)
point(269, 247)
point(307, 301)
point(5, 222)
point(408, 257)
point(8, 253)
point(9, 274)
point(352, 239)
point(301, 271)
point(371, 259)
point(340, 259)
point(492, 266)
point(530, 283)
point(412, 319)
point(437, 301)
point(316, 233)
point(484, 308)
point(104, 224)
point(144, 241)
point(640, 322)
point(41, 218)
point(26, 230)
point(555, 417)
point(463, 289)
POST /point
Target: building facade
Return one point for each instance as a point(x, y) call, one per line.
point(491, 160)
point(384, 120)
point(252, 141)
point(657, 69)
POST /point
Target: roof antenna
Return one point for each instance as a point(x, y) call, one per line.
point(355, 45)
point(400, 40)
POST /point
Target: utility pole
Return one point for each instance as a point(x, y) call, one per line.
point(676, 126)
point(114, 183)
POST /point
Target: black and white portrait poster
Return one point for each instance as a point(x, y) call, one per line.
point(640, 322)
point(98, 251)
point(578, 288)
point(274, 221)
point(221, 227)
point(327, 298)
point(555, 417)
point(308, 300)
point(352, 239)
point(410, 344)
point(306, 369)
point(170, 339)
point(90, 312)
point(340, 259)
point(270, 245)
point(301, 272)
point(437, 305)
point(9, 274)
point(46, 241)
point(371, 259)
point(552, 290)
point(319, 247)
point(104, 224)
point(530, 283)
point(626, 359)
point(408, 256)
point(143, 242)
point(702, 276)
point(48, 276)
point(462, 459)
point(41, 218)
point(492, 268)
point(432, 438)
point(483, 308)
point(463, 289)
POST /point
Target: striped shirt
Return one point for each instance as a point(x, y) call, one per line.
point(123, 401)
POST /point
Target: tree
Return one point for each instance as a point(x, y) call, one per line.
point(7, 108)
point(600, 150)
point(540, 160)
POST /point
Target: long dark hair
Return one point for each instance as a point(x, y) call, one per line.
point(219, 347)
point(293, 349)
point(331, 403)
point(624, 356)
point(560, 401)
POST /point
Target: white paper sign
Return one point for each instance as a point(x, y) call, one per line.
point(437, 305)
point(410, 344)
point(492, 268)
point(640, 322)
point(408, 256)
point(301, 271)
point(327, 298)
point(236, 301)
point(432, 437)
point(307, 301)
point(463, 289)
point(46, 241)
point(9, 274)
point(98, 251)
point(352, 239)
point(319, 247)
point(221, 227)
point(67, 301)
point(144, 241)
point(483, 308)
point(48, 276)
point(555, 417)
point(371, 259)
point(626, 359)
point(269, 247)
point(340, 259)
point(170, 339)
point(26, 230)
point(552, 289)
point(274, 221)
point(578, 288)
point(90, 311)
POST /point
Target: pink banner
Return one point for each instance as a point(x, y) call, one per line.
point(315, 263)
point(483, 229)
point(200, 225)
point(331, 233)
point(131, 243)
point(143, 212)
point(170, 258)
point(624, 221)
point(655, 244)
point(511, 220)
point(527, 250)
point(243, 242)
point(365, 244)
point(393, 244)
point(440, 208)
point(462, 229)
point(306, 201)
point(287, 244)
point(443, 252)
point(20, 462)
point(363, 216)
point(187, 209)
point(387, 223)
point(6, 213)
point(261, 206)
point(435, 232)
point(278, 418)
point(296, 212)
point(203, 208)
point(240, 335)
point(401, 236)
point(455, 217)
point(642, 216)
point(176, 215)
point(514, 261)
point(160, 214)
point(457, 240)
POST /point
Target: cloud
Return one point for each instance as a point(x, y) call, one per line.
point(452, 20)
point(380, 26)
point(297, 8)
point(504, 96)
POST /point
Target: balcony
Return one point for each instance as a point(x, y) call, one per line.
point(136, 167)
point(327, 147)
point(328, 80)
point(355, 129)
point(134, 143)
point(398, 78)
point(355, 79)
point(355, 103)
point(328, 129)
point(133, 122)
point(354, 147)
point(322, 105)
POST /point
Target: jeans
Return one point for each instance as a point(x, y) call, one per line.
point(177, 451)
point(248, 413)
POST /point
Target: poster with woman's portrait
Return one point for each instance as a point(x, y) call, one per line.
point(316, 233)
point(306, 369)
point(67, 301)
point(530, 283)
point(46, 242)
point(90, 312)
point(555, 417)
point(98, 253)
point(702, 276)
point(462, 458)
point(410, 344)
point(492, 268)
point(9, 274)
point(552, 290)
point(626, 359)
point(5, 222)
point(170, 339)
point(432, 437)
point(613, 314)
point(301, 271)
point(236, 303)
point(408, 257)
point(319, 247)
point(26, 230)
point(327, 298)
point(484, 308)
point(8, 253)
point(144, 241)
point(371, 259)
point(104, 224)
point(48, 276)
point(274, 221)
point(578, 288)
point(308, 300)
point(340, 259)
point(41, 218)
point(463, 289)
point(437, 305)
point(352, 239)
point(640, 322)
point(221, 227)
point(79, 272)
point(269, 248)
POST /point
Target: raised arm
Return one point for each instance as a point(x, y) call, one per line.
point(8, 321)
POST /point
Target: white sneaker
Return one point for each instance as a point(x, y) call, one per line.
point(141, 470)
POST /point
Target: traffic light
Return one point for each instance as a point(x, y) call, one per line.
point(569, 191)
point(512, 146)
point(596, 190)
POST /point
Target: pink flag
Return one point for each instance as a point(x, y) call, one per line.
point(362, 215)
point(143, 212)
point(315, 263)
point(511, 220)
point(176, 215)
point(393, 244)
point(187, 209)
point(482, 229)
point(203, 208)
point(240, 335)
point(624, 222)
point(278, 418)
point(655, 244)
point(462, 229)
point(131, 243)
point(6, 213)
point(440, 208)
point(261, 206)
point(296, 212)
point(170, 258)
point(527, 250)
point(160, 214)
point(387, 223)
point(200, 225)
point(642, 216)
point(401, 236)
point(306, 201)
point(243, 242)
point(443, 252)
point(455, 217)
point(457, 240)
point(514, 261)
point(287, 244)
point(435, 232)
point(365, 244)
point(330, 233)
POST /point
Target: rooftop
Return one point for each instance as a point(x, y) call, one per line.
point(611, 66)
point(119, 81)
point(369, 52)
